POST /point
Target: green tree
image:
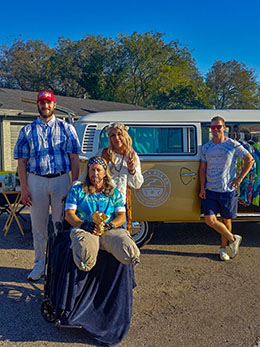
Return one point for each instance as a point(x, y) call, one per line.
point(25, 65)
point(180, 85)
point(143, 57)
point(66, 73)
point(115, 74)
point(140, 69)
point(182, 97)
point(92, 55)
point(80, 66)
point(158, 73)
point(232, 85)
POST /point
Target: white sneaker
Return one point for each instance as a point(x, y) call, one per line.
point(234, 246)
point(37, 272)
point(223, 254)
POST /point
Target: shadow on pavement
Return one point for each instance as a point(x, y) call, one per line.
point(14, 239)
point(211, 256)
point(201, 234)
point(21, 320)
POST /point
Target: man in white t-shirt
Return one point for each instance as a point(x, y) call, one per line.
point(219, 183)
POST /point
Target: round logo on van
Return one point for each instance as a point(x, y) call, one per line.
point(155, 189)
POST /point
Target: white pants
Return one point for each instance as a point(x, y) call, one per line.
point(45, 192)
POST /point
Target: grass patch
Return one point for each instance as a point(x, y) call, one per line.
point(6, 172)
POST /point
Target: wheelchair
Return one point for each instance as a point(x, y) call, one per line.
point(98, 301)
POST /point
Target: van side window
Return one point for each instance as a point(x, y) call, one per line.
point(243, 132)
point(174, 140)
point(249, 133)
point(149, 140)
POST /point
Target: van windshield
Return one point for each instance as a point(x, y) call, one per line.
point(162, 140)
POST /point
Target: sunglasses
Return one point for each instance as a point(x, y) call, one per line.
point(213, 127)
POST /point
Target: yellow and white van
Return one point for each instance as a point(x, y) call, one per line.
point(168, 144)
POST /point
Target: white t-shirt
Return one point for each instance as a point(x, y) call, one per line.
point(221, 163)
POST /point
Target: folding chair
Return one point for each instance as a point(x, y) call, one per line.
point(4, 206)
point(9, 202)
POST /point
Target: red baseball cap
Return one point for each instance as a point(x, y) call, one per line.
point(46, 95)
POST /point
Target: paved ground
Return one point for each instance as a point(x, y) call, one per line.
point(184, 296)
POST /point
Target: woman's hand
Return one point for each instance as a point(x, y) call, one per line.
point(131, 163)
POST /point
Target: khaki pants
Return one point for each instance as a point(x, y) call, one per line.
point(45, 192)
point(118, 242)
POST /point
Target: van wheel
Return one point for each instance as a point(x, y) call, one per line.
point(142, 232)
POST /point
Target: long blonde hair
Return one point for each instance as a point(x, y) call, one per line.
point(127, 141)
point(87, 186)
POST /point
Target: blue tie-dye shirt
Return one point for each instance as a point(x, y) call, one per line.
point(221, 163)
point(86, 204)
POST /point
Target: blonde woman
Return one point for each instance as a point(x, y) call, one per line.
point(124, 163)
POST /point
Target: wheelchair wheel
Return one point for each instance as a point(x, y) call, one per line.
point(48, 311)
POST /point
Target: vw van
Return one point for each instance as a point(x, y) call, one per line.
point(168, 143)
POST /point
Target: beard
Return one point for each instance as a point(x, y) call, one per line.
point(46, 113)
point(96, 181)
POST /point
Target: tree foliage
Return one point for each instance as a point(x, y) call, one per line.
point(140, 69)
point(25, 65)
point(232, 85)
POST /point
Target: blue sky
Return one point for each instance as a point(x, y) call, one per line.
point(212, 30)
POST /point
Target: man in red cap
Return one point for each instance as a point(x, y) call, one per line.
point(46, 95)
point(47, 150)
point(46, 104)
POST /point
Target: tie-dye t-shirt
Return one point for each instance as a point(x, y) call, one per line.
point(221, 163)
point(86, 204)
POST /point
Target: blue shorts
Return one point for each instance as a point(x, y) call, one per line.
point(224, 203)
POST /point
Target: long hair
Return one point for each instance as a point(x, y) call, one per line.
point(127, 141)
point(87, 185)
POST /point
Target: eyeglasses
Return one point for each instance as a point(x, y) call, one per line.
point(213, 127)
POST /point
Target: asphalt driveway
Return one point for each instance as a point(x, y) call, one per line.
point(184, 296)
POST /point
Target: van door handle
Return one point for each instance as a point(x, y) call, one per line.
point(188, 174)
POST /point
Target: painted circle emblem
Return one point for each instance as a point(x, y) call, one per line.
point(155, 189)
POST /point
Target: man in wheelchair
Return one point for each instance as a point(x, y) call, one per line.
point(96, 199)
point(92, 264)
